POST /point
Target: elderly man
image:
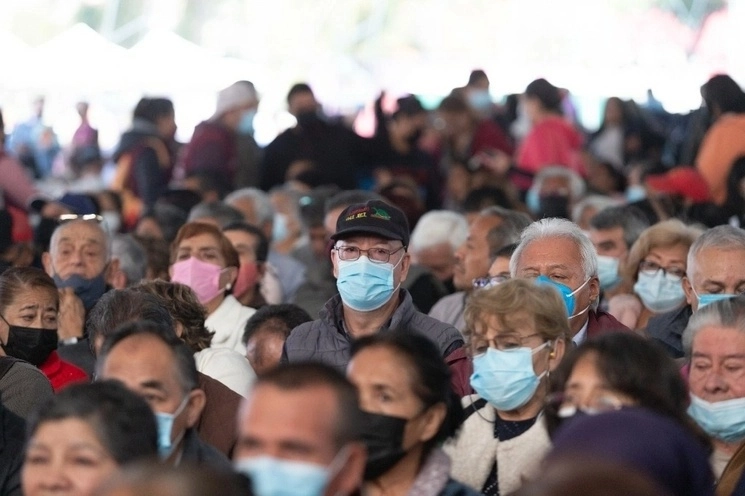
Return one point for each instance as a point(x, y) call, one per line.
point(151, 361)
point(79, 261)
point(715, 270)
point(132, 261)
point(556, 252)
point(492, 229)
point(715, 342)
point(302, 417)
point(370, 263)
point(434, 240)
point(612, 231)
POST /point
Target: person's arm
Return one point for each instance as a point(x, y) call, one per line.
point(17, 187)
point(71, 318)
point(24, 387)
point(147, 174)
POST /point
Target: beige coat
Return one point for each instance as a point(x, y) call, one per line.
point(475, 450)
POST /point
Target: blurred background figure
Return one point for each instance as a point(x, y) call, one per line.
point(266, 332)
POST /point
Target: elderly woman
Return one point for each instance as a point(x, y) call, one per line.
point(516, 333)
point(408, 410)
point(222, 364)
point(205, 260)
point(82, 437)
point(29, 303)
point(655, 268)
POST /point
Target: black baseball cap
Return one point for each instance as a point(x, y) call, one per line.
point(374, 217)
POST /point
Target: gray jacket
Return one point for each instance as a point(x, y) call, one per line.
point(325, 340)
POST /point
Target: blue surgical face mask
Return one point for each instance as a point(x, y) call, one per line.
point(533, 201)
point(506, 379)
point(567, 295)
point(480, 99)
point(246, 124)
point(88, 290)
point(364, 285)
point(723, 420)
point(164, 422)
point(708, 299)
point(608, 272)
point(635, 193)
point(659, 292)
point(279, 228)
point(277, 477)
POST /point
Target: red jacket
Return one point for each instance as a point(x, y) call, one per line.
point(61, 373)
point(601, 322)
point(212, 148)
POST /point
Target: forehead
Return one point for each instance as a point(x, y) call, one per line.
point(518, 323)
point(551, 251)
point(203, 240)
point(378, 364)
point(482, 225)
point(80, 232)
point(600, 235)
point(304, 415)
point(139, 359)
point(719, 262)
point(35, 296)
point(241, 237)
point(366, 239)
point(719, 340)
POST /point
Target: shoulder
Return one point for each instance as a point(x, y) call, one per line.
point(455, 488)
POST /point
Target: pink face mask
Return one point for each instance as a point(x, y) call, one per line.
point(202, 277)
point(248, 274)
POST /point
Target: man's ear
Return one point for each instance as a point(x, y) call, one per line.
point(594, 289)
point(405, 265)
point(690, 295)
point(46, 261)
point(348, 478)
point(195, 406)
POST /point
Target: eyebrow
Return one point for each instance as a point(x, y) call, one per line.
point(67, 239)
point(153, 384)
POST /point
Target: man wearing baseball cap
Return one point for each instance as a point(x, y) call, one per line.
point(214, 145)
point(370, 262)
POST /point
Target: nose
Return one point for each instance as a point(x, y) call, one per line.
point(715, 383)
point(54, 478)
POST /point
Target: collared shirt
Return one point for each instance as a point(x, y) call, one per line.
point(581, 336)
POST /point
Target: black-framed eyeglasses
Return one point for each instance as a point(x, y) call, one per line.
point(489, 281)
point(377, 255)
point(652, 268)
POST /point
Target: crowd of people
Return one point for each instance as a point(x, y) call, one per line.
point(479, 299)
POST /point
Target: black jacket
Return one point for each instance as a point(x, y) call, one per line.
point(12, 438)
point(668, 329)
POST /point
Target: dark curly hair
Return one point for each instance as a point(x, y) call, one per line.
point(183, 305)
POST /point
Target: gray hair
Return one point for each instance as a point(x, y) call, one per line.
point(576, 184)
point(223, 214)
point(438, 227)
point(351, 197)
point(508, 231)
point(558, 228)
point(598, 202)
point(132, 257)
point(630, 219)
point(723, 237)
point(98, 225)
point(723, 313)
point(261, 202)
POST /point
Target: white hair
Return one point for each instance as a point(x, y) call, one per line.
point(598, 202)
point(95, 224)
point(558, 228)
point(729, 313)
point(576, 183)
point(261, 202)
point(132, 257)
point(438, 227)
point(723, 237)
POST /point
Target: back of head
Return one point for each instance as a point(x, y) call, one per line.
point(238, 94)
point(431, 375)
point(298, 88)
point(558, 228)
point(508, 231)
point(480, 198)
point(439, 227)
point(642, 440)
point(577, 185)
point(262, 205)
point(122, 421)
point(295, 377)
point(120, 306)
point(546, 93)
point(725, 313)
point(721, 93)
point(220, 212)
point(152, 109)
point(131, 256)
point(262, 248)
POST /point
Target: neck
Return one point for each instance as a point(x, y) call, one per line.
point(212, 305)
point(401, 145)
point(725, 448)
point(577, 323)
point(247, 297)
point(399, 479)
point(361, 324)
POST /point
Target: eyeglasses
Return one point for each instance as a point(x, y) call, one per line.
point(377, 255)
point(489, 281)
point(651, 268)
point(502, 343)
point(566, 405)
point(71, 217)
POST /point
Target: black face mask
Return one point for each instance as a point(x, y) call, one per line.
point(309, 119)
point(383, 436)
point(554, 206)
point(30, 344)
